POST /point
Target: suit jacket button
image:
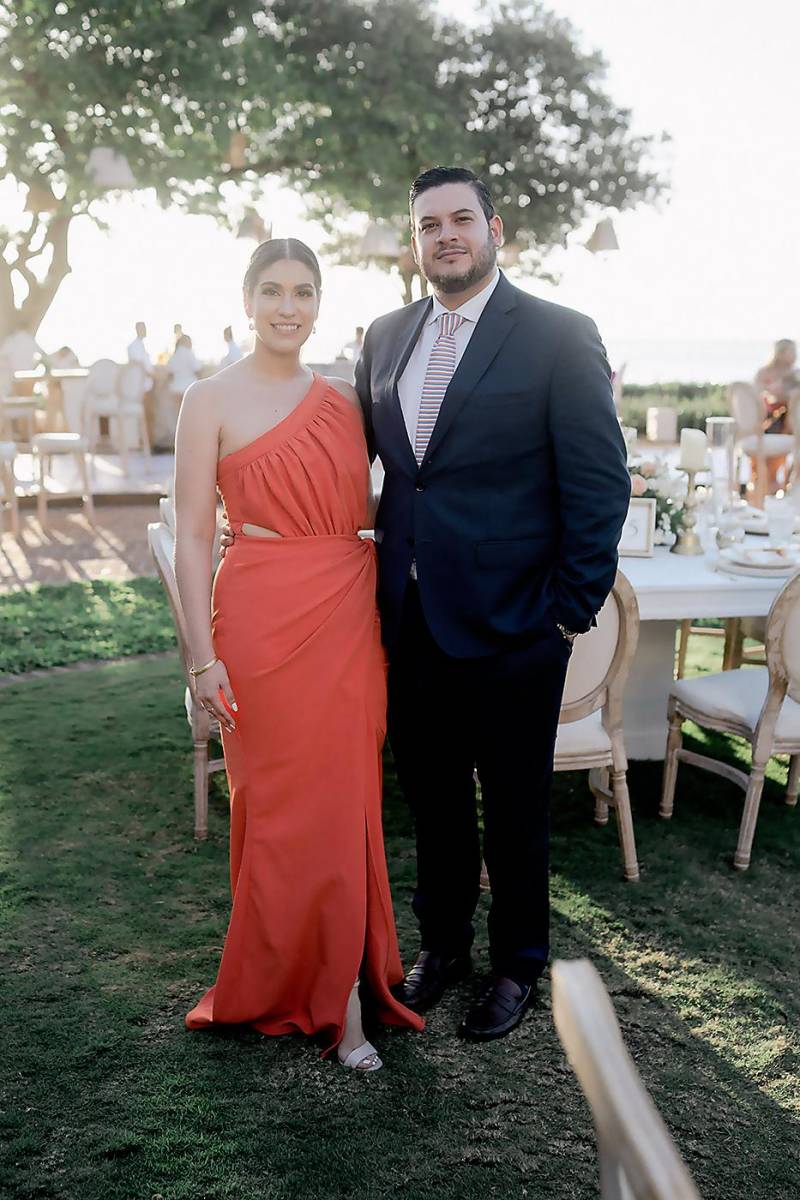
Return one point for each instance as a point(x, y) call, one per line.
point(420, 488)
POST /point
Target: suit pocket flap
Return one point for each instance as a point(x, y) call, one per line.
point(519, 552)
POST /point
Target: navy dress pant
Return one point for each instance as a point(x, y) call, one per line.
point(497, 714)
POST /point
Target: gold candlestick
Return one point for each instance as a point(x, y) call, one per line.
point(687, 541)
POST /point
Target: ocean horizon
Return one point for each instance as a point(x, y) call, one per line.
point(687, 361)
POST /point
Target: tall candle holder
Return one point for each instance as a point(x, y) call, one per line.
point(687, 540)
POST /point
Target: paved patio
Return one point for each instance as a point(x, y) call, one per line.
point(71, 549)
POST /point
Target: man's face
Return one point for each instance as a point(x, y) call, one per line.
point(454, 245)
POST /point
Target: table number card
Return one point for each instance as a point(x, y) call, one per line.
point(638, 532)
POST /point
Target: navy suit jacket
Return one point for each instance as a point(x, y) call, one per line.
point(515, 513)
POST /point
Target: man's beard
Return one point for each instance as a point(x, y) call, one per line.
point(481, 266)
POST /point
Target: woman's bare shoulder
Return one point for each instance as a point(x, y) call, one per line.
point(210, 392)
point(345, 389)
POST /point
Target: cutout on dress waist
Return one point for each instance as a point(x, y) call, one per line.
point(258, 531)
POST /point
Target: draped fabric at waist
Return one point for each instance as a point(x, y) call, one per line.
point(273, 539)
point(276, 593)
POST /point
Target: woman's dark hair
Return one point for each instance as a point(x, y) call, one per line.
point(437, 176)
point(277, 250)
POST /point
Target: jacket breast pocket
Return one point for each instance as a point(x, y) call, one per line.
point(516, 554)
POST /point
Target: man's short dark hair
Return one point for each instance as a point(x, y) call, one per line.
point(436, 176)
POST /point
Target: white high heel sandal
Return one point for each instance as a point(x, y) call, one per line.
point(365, 1057)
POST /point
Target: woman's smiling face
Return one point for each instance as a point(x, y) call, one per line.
point(283, 305)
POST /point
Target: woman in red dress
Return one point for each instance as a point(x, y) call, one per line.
point(290, 661)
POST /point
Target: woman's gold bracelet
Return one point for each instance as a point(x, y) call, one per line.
point(195, 671)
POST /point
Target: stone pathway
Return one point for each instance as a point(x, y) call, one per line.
point(71, 549)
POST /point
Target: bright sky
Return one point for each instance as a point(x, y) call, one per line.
point(717, 260)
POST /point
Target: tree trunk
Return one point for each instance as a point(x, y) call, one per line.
point(41, 293)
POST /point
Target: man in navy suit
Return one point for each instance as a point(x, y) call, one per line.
point(505, 492)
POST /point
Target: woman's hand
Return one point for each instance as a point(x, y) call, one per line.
point(210, 688)
point(226, 539)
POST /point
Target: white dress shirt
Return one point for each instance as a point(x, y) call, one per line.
point(409, 385)
point(232, 355)
point(137, 353)
point(184, 368)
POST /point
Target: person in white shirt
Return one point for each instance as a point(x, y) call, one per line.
point(137, 351)
point(352, 350)
point(184, 368)
point(233, 352)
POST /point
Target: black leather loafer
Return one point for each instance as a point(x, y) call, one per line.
point(499, 1009)
point(429, 978)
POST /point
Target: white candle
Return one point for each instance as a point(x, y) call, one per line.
point(693, 450)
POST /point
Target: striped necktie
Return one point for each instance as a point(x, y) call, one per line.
point(438, 373)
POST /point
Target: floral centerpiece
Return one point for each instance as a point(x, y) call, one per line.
point(652, 478)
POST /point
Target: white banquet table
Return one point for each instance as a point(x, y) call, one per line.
point(669, 588)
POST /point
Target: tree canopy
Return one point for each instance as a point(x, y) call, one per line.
point(344, 99)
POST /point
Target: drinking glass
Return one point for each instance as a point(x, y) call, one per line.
point(780, 520)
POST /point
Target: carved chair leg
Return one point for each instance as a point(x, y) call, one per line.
point(747, 829)
point(86, 484)
point(201, 789)
point(598, 783)
point(793, 786)
point(674, 741)
point(622, 806)
point(734, 641)
point(41, 499)
point(683, 646)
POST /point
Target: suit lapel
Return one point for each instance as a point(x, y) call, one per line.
point(406, 341)
point(493, 327)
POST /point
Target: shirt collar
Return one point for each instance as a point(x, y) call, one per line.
point(470, 310)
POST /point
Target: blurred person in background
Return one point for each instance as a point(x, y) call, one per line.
point(233, 351)
point(352, 350)
point(183, 367)
point(777, 380)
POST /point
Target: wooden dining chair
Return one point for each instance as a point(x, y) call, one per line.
point(162, 547)
point(8, 485)
point(748, 410)
point(760, 704)
point(590, 733)
point(638, 1158)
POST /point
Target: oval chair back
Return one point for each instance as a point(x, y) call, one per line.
point(746, 408)
point(601, 658)
point(783, 640)
point(132, 383)
point(101, 382)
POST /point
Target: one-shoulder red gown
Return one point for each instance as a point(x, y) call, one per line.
point(296, 625)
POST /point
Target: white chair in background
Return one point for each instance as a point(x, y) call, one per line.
point(102, 398)
point(8, 484)
point(747, 409)
point(162, 547)
point(590, 734)
point(760, 704)
point(46, 447)
point(132, 386)
point(638, 1158)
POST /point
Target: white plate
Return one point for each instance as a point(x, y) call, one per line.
point(730, 568)
point(762, 560)
point(755, 522)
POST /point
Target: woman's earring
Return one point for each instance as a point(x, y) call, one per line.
point(251, 324)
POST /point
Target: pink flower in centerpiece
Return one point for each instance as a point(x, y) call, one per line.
point(638, 485)
point(648, 468)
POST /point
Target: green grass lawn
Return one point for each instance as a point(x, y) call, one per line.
point(112, 922)
point(48, 626)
